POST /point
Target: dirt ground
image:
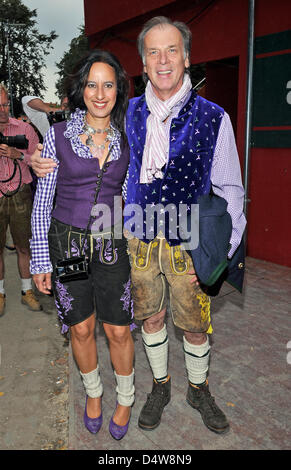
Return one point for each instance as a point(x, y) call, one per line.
point(33, 372)
point(55, 429)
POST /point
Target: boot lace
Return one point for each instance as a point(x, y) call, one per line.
point(155, 400)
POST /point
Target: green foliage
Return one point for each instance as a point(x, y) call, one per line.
point(78, 47)
point(27, 49)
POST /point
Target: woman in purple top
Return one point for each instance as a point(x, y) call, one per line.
point(97, 93)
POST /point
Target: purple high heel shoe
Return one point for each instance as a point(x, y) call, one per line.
point(116, 431)
point(92, 424)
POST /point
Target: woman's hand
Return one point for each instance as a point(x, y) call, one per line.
point(43, 282)
point(41, 166)
point(194, 279)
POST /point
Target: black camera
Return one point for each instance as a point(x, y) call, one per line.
point(72, 269)
point(18, 141)
point(57, 116)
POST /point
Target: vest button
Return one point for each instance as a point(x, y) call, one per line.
point(240, 265)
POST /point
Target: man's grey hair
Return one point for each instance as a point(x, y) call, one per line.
point(160, 21)
point(3, 87)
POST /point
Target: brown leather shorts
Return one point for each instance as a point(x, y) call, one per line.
point(159, 277)
point(15, 211)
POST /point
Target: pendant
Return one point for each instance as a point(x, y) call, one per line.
point(89, 141)
point(98, 150)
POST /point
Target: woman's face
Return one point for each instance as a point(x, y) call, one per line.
point(100, 91)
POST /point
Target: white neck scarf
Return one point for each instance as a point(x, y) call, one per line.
point(156, 147)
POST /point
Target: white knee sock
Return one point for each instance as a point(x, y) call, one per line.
point(92, 383)
point(125, 389)
point(156, 347)
point(26, 284)
point(196, 360)
point(2, 290)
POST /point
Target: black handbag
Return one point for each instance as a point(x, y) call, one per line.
point(77, 267)
point(72, 269)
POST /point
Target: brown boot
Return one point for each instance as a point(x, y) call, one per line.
point(28, 298)
point(2, 304)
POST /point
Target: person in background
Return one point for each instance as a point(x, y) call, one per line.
point(36, 110)
point(16, 200)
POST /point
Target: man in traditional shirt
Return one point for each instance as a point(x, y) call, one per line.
point(36, 110)
point(16, 200)
point(182, 146)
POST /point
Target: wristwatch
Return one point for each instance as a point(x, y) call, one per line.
point(21, 158)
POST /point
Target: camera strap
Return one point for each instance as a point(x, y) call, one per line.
point(98, 187)
point(12, 193)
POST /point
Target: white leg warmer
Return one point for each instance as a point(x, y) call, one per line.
point(125, 389)
point(92, 383)
point(156, 347)
point(196, 360)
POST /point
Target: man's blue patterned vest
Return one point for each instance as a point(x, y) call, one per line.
point(193, 136)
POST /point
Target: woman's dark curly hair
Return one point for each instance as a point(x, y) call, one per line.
point(77, 80)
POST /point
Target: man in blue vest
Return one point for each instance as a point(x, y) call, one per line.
point(182, 146)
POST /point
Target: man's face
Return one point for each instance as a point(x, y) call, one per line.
point(4, 107)
point(164, 60)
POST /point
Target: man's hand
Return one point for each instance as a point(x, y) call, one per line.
point(9, 152)
point(43, 282)
point(41, 166)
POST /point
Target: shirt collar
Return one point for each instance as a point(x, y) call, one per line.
point(13, 122)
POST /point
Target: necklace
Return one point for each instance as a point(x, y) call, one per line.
point(97, 150)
